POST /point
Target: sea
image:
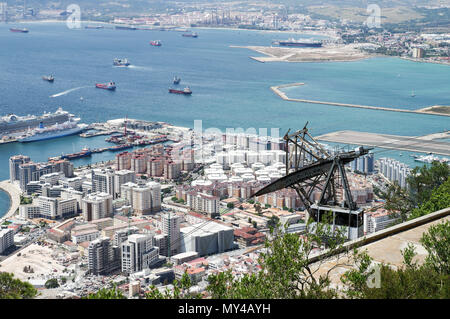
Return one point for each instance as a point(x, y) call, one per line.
point(230, 90)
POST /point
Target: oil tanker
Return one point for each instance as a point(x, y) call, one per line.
point(84, 153)
point(186, 91)
point(18, 30)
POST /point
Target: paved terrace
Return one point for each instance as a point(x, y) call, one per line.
point(385, 246)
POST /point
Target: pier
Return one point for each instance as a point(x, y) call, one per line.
point(426, 110)
point(420, 144)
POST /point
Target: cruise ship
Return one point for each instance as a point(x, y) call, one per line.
point(70, 127)
point(12, 123)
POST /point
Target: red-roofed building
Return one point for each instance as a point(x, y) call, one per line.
point(248, 236)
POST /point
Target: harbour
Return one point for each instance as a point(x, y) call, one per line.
point(242, 102)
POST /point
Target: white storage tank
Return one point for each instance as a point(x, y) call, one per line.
point(248, 177)
point(264, 179)
point(261, 172)
point(201, 182)
point(216, 166)
point(218, 177)
point(275, 176)
point(258, 166)
point(235, 179)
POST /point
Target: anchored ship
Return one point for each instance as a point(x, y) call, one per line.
point(119, 27)
point(186, 91)
point(190, 35)
point(156, 43)
point(306, 43)
point(93, 27)
point(107, 86)
point(48, 78)
point(70, 127)
point(24, 30)
point(121, 62)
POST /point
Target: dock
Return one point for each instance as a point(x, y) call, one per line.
point(427, 110)
point(420, 144)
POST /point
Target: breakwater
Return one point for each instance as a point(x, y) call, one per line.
point(283, 95)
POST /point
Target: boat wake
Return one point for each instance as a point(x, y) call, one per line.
point(68, 91)
point(143, 68)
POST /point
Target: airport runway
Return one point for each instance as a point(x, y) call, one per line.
point(421, 144)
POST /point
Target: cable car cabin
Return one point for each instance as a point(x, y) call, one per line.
point(353, 220)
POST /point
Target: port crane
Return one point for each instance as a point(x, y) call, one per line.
point(310, 168)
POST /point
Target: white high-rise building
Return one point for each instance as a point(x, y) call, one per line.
point(6, 239)
point(121, 177)
point(171, 228)
point(97, 206)
point(142, 200)
point(103, 258)
point(103, 181)
point(138, 253)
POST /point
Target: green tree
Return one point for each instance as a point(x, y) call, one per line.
point(106, 293)
point(13, 288)
point(411, 280)
point(273, 221)
point(51, 283)
point(437, 243)
point(180, 290)
point(287, 270)
point(439, 199)
point(230, 205)
point(423, 180)
point(398, 201)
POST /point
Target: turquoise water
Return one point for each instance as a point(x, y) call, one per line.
point(229, 89)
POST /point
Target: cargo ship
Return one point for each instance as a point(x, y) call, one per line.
point(84, 153)
point(108, 86)
point(305, 43)
point(190, 35)
point(41, 133)
point(120, 147)
point(156, 43)
point(12, 123)
point(119, 27)
point(186, 91)
point(94, 27)
point(176, 80)
point(48, 78)
point(24, 30)
point(121, 62)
